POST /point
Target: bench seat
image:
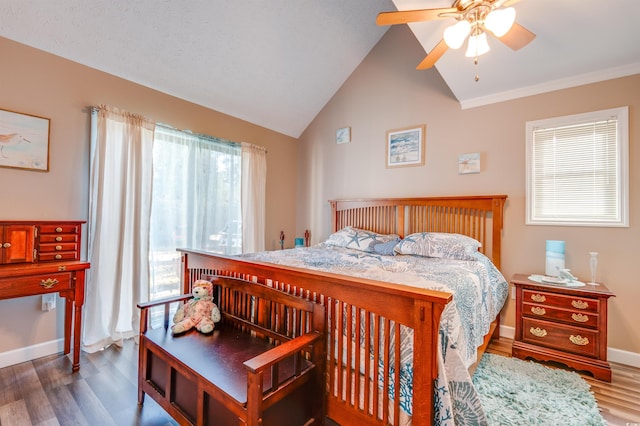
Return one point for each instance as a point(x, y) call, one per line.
point(254, 368)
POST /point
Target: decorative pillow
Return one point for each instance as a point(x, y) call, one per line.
point(386, 249)
point(359, 239)
point(442, 245)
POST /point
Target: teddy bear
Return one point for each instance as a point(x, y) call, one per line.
point(199, 312)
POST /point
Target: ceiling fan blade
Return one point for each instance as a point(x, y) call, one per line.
point(433, 56)
point(517, 37)
point(407, 16)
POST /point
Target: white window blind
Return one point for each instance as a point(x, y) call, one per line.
point(577, 169)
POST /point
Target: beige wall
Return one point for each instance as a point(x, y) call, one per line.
point(386, 92)
point(38, 83)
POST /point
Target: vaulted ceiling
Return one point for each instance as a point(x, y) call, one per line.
point(276, 63)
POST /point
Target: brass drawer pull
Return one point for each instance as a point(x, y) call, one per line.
point(49, 282)
point(58, 229)
point(580, 317)
point(58, 239)
point(579, 304)
point(538, 310)
point(58, 248)
point(538, 332)
point(538, 298)
point(6, 245)
point(58, 256)
point(579, 340)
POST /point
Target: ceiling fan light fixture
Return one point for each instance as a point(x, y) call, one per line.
point(477, 46)
point(500, 21)
point(455, 35)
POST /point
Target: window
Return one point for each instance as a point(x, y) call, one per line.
point(195, 202)
point(577, 169)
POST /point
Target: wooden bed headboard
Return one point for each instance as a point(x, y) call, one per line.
point(479, 217)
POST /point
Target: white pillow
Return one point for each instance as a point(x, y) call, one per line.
point(359, 239)
point(441, 245)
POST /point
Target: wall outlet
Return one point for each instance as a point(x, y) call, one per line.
point(513, 293)
point(48, 301)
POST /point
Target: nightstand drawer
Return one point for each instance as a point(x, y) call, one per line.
point(583, 304)
point(568, 339)
point(549, 313)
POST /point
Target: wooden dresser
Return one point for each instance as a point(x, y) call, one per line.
point(39, 257)
point(562, 324)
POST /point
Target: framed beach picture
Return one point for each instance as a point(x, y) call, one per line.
point(469, 163)
point(343, 135)
point(405, 147)
point(24, 141)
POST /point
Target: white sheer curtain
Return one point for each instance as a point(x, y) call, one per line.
point(118, 234)
point(254, 178)
point(196, 201)
point(154, 189)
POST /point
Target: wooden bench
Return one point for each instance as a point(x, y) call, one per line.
point(263, 363)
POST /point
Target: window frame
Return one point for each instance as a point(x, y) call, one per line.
point(622, 170)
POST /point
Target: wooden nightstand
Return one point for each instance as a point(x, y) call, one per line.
point(562, 324)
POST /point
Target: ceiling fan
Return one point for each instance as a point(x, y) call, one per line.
point(474, 18)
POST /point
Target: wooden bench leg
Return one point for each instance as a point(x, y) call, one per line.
point(254, 398)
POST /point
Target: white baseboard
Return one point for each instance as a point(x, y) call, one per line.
point(506, 331)
point(29, 353)
point(613, 355)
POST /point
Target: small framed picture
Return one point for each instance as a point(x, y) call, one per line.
point(343, 135)
point(24, 141)
point(469, 163)
point(405, 147)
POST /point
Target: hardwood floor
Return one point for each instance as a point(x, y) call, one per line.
point(104, 391)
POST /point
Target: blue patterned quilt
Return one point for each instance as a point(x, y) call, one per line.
point(479, 291)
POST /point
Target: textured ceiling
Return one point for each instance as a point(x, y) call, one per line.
point(276, 63)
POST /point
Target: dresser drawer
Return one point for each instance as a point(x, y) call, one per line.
point(58, 256)
point(58, 238)
point(584, 304)
point(59, 229)
point(576, 340)
point(549, 313)
point(35, 284)
point(47, 248)
point(58, 242)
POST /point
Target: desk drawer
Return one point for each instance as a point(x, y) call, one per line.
point(580, 341)
point(35, 284)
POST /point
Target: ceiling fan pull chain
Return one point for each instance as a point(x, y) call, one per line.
point(475, 62)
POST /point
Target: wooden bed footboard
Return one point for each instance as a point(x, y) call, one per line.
point(372, 312)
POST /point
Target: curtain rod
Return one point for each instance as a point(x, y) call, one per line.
point(95, 108)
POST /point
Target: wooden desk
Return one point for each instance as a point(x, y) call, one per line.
point(65, 278)
point(43, 257)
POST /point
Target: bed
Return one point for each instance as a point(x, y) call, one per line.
point(372, 319)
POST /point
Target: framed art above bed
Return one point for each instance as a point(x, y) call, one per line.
point(398, 349)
